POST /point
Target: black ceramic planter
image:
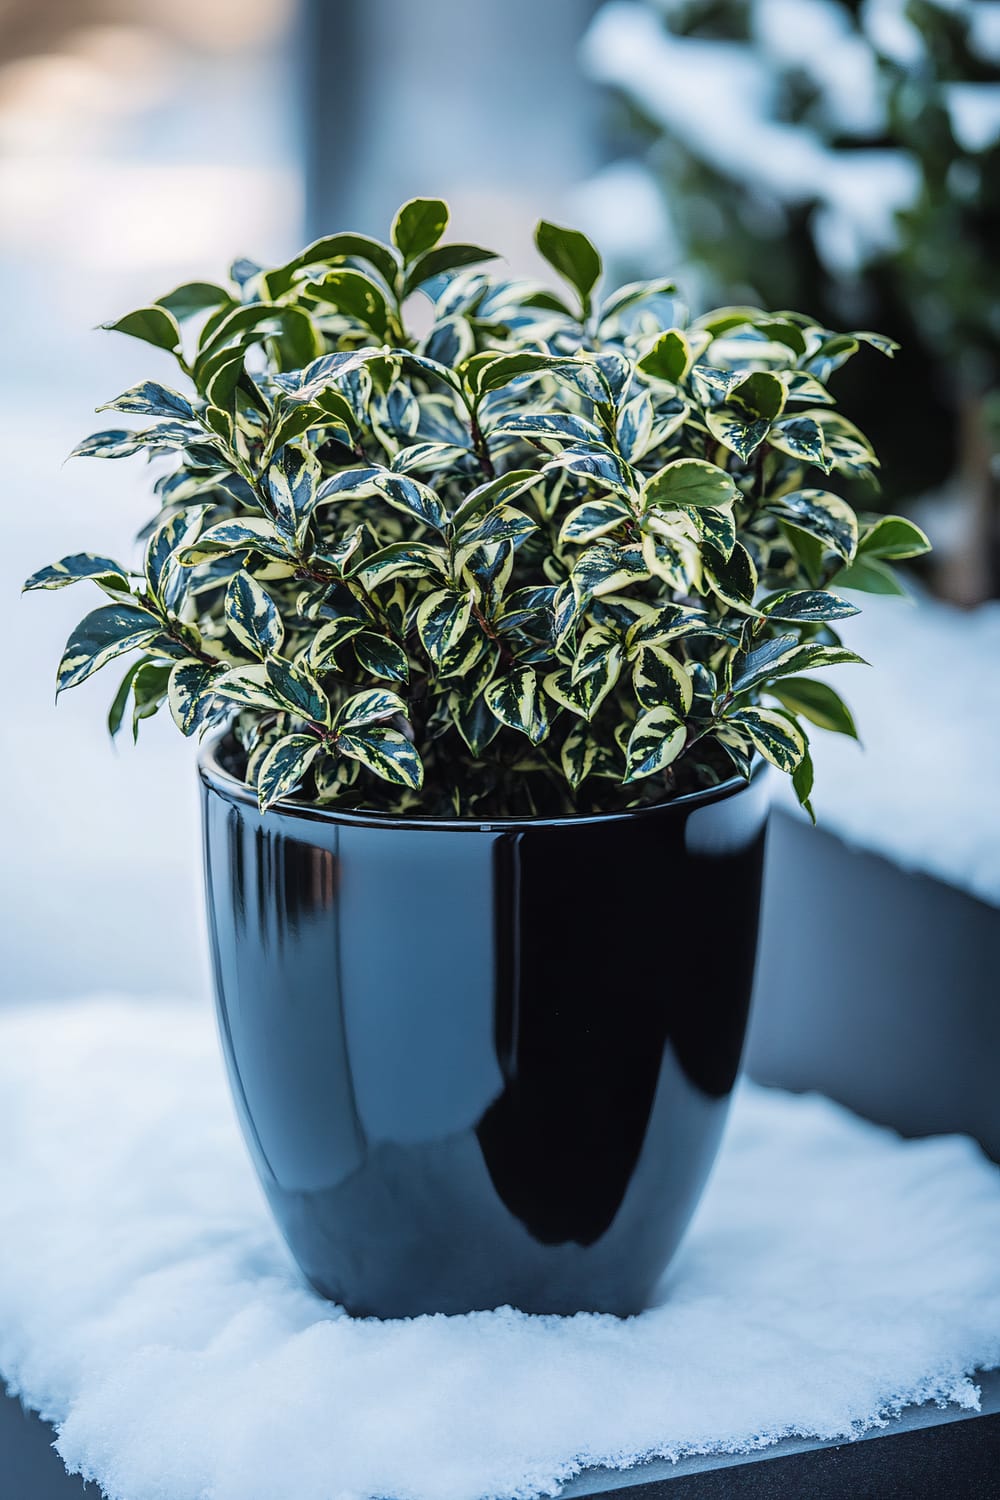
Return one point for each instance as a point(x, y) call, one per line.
point(483, 1063)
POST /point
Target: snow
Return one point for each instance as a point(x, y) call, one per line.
point(717, 97)
point(975, 114)
point(817, 38)
point(925, 792)
point(833, 1274)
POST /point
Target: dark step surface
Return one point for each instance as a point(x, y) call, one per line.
point(929, 1453)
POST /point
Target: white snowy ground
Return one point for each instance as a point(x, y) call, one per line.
point(833, 1274)
point(925, 788)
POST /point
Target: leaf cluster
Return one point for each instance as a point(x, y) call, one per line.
point(563, 553)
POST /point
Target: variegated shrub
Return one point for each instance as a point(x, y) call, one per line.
point(558, 555)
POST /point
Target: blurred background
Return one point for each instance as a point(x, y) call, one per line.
point(840, 156)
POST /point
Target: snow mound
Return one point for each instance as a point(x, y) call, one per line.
point(833, 1274)
point(925, 790)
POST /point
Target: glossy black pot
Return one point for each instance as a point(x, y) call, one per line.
point(479, 1064)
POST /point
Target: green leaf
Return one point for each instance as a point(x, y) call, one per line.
point(817, 702)
point(109, 575)
point(669, 359)
point(655, 742)
point(102, 635)
point(331, 249)
point(357, 296)
point(386, 752)
point(809, 606)
point(418, 225)
point(149, 688)
point(571, 254)
point(441, 259)
point(689, 481)
point(194, 297)
point(252, 615)
point(823, 515)
point(870, 575)
point(516, 702)
point(154, 325)
point(381, 657)
point(442, 620)
point(284, 766)
point(802, 781)
point(893, 537)
point(761, 396)
point(116, 712)
point(368, 707)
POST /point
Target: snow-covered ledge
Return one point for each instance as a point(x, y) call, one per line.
point(833, 1274)
point(925, 789)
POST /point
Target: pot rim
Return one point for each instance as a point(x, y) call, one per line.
point(214, 776)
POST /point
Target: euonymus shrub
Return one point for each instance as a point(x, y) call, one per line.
point(561, 554)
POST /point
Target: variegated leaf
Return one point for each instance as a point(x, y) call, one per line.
point(189, 693)
point(499, 491)
point(293, 482)
point(442, 620)
point(245, 535)
point(252, 615)
point(368, 707)
point(741, 437)
point(385, 752)
point(515, 700)
point(108, 575)
point(592, 519)
point(654, 743)
point(774, 734)
point(802, 438)
point(328, 639)
point(808, 606)
point(151, 400)
point(604, 568)
point(783, 656)
point(734, 579)
point(823, 515)
point(102, 635)
point(284, 766)
point(660, 680)
point(578, 754)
